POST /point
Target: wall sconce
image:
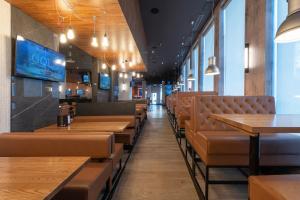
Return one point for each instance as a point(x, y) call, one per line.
point(246, 64)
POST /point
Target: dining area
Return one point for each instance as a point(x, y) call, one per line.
point(243, 133)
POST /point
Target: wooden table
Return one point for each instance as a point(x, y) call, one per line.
point(254, 125)
point(37, 178)
point(116, 127)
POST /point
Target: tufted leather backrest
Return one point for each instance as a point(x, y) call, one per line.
point(206, 105)
point(184, 101)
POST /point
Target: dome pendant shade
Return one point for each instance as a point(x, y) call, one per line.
point(212, 68)
point(289, 30)
point(190, 77)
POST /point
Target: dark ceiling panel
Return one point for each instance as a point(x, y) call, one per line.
point(169, 28)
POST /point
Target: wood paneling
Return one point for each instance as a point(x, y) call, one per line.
point(5, 66)
point(110, 19)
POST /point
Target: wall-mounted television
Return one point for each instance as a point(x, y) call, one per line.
point(80, 92)
point(104, 81)
point(33, 60)
point(86, 79)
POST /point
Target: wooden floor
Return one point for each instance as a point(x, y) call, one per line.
point(156, 169)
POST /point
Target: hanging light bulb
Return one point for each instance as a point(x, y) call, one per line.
point(70, 33)
point(121, 75)
point(123, 65)
point(63, 38)
point(133, 74)
point(130, 64)
point(125, 75)
point(113, 67)
point(104, 66)
point(212, 68)
point(94, 42)
point(138, 75)
point(105, 42)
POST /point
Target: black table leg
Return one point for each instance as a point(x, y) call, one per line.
point(254, 155)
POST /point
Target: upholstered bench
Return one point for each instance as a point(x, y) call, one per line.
point(90, 180)
point(274, 187)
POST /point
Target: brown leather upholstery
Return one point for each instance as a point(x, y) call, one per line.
point(88, 183)
point(33, 145)
point(110, 118)
point(116, 157)
point(206, 105)
point(125, 137)
point(219, 145)
point(275, 187)
point(183, 105)
point(232, 148)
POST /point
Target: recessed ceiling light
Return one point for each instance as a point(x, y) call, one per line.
point(192, 22)
point(182, 43)
point(154, 11)
point(162, 62)
point(153, 51)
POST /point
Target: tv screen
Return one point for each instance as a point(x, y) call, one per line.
point(38, 62)
point(104, 81)
point(168, 90)
point(86, 78)
point(80, 92)
point(68, 92)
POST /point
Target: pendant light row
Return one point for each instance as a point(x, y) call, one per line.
point(70, 35)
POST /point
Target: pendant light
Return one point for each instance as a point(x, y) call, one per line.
point(289, 30)
point(191, 77)
point(70, 33)
point(212, 68)
point(105, 41)
point(121, 75)
point(113, 67)
point(63, 38)
point(125, 75)
point(104, 66)
point(133, 74)
point(94, 41)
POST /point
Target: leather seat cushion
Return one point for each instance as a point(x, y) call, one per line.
point(88, 183)
point(125, 137)
point(231, 148)
point(275, 187)
point(116, 157)
point(181, 118)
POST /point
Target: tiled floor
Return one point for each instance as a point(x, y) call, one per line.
point(156, 169)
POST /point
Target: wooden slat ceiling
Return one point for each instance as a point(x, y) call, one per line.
point(109, 19)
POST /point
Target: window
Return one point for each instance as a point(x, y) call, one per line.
point(195, 66)
point(183, 78)
point(233, 47)
point(287, 68)
point(188, 84)
point(208, 42)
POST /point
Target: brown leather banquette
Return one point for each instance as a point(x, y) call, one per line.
point(183, 105)
point(220, 145)
point(274, 187)
point(90, 180)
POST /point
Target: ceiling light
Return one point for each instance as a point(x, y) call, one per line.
point(70, 33)
point(104, 66)
point(125, 75)
point(123, 65)
point(105, 41)
point(121, 75)
point(133, 74)
point(162, 62)
point(130, 64)
point(182, 43)
point(63, 38)
point(212, 68)
point(113, 67)
point(94, 42)
point(289, 30)
point(138, 75)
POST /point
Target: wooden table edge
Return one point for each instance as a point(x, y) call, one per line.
point(60, 186)
point(245, 129)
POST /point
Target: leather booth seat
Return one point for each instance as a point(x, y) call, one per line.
point(229, 148)
point(88, 183)
point(126, 137)
point(274, 187)
point(220, 145)
point(91, 179)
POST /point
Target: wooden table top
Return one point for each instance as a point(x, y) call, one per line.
point(260, 123)
point(116, 127)
point(28, 178)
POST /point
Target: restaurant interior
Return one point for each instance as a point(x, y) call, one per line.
point(149, 99)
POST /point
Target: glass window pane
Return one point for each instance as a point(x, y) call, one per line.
point(208, 42)
point(195, 66)
point(287, 68)
point(234, 44)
